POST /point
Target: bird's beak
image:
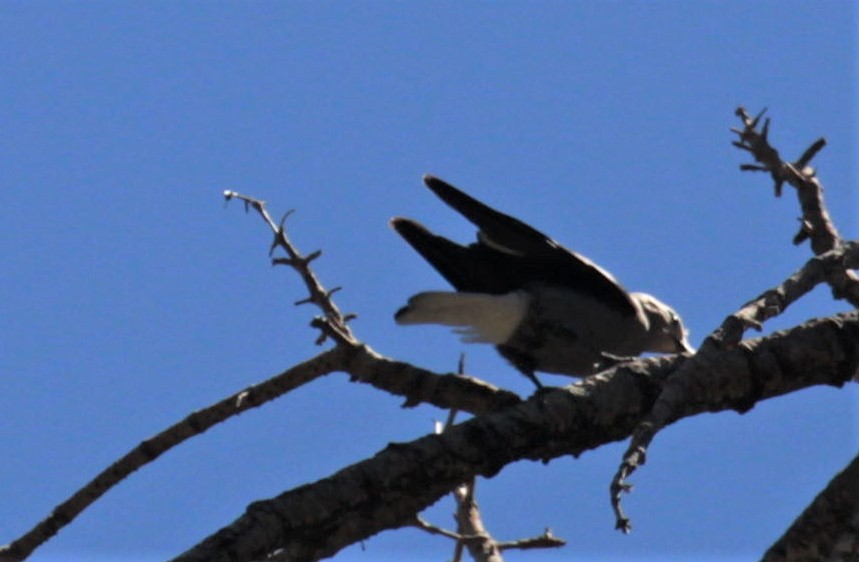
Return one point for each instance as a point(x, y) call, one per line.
point(683, 345)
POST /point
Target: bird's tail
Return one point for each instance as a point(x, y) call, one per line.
point(477, 317)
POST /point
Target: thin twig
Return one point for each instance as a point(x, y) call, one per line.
point(546, 540)
point(333, 324)
point(471, 532)
point(775, 301)
point(424, 525)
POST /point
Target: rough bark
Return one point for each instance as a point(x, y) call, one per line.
point(828, 529)
point(385, 491)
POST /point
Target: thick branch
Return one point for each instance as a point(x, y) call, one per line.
point(828, 528)
point(385, 492)
point(419, 385)
point(834, 263)
point(682, 384)
point(697, 385)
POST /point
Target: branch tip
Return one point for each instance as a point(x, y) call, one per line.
point(765, 130)
point(800, 237)
point(757, 118)
point(809, 154)
point(275, 242)
point(753, 167)
point(624, 525)
point(778, 186)
point(285, 216)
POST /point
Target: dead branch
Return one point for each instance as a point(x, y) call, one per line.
point(349, 355)
point(833, 264)
point(828, 528)
point(385, 491)
point(775, 301)
point(546, 540)
point(470, 532)
point(360, 361)
point(334, 324)
point(815, 224)
point(636, 398)
point(682, 386)
point(482, 546)
point(424, 525)
point(150, 449)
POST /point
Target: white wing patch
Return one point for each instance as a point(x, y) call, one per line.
point(484, 239)
point(478, 317)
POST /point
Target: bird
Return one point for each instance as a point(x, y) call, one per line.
point(545, 308)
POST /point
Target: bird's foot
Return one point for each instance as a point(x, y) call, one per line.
point(610, 360)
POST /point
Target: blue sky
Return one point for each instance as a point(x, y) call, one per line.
point(132, 296)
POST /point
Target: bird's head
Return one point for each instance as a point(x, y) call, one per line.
point(667, 334)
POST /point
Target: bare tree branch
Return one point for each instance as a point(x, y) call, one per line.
point(335, 323)
point(773, 302)
point(829, 528)
point(482, 547)
point(815, 225)
point(351, 356)
point(681, 387)
point(150, 449)
point(470, 530)
point(833, 264)
point(384, 492)
point(546, 540)
point(363, 364)
point(635, 398)
point(425, 525)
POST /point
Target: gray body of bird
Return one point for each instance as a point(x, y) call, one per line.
point(544, 307)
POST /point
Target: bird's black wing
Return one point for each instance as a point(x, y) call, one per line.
point(503, 232)
point(476, 268)
point(459, 265)
point(510, 255)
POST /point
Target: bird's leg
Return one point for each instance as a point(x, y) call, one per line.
point(541, 391)
point(523, 363)
point(533, 378)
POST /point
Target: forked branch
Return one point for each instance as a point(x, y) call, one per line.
point(833, 264)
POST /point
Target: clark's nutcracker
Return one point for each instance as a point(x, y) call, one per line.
point(544, 307)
